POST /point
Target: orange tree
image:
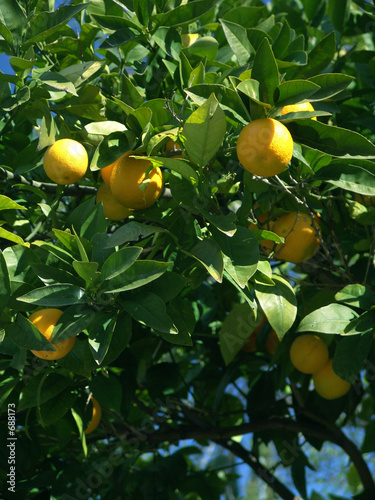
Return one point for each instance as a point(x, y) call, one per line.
point(161, 302)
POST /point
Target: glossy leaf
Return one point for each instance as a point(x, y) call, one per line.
point(278, 303)
point(140, 273)
point(204, 131)
point(54, 296)
point(149, 309)
point(331, 319)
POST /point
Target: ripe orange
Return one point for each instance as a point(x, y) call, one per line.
point(265, 147)
point(271, 343)
point(251, 344)
point(308, 353)
point(172, 146)
point(45, 320)
point(112, 208)
point(96, 416)
point(294, 108)
point(301, 239)
point(65, 161)
point(328, 384)
point(106, 173)
point(129, 184)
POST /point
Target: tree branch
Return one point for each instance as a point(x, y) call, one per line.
point(48, 187)
point(251, 460)
point(332, 434)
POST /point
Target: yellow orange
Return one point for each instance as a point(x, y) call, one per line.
point(131, 187)
point(265, 147)
point(112, 208)
point(45, 320)
point(328, 384)
point(308, 353)
point(96, 416)
point(106, 173)
point(65, 161)
point(172, 146)
point(301, 238)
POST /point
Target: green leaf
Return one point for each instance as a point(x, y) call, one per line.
point(57, 81)
point(94, 223)
point(204, 131)
point(208, 253)
point(116, 22)
point(252, 89)
point(182, 315)
point(112, 147)
point(132, 231)
point(197, 75)
point(149, 309)
point(281, 43)
point(241, 254)
point(21, 96)
point(88, 271)
point(6, 33)
point(51, 275)
point(205, 47)
point(230, 101)
point(46, 24)
point(73, 321)
point(20, 64)
point(80, 73)
point(332, 319)
point(265, 71)
point(351, 352)
point(6, 388)
point(131, 94)
point(89, 104)
point(7, 235)
point(139, 119)
point(120, 338)
point(356, 296)
point(183, 14)
point(236, 329)
point(54, 409)
point(143, 10)
point(108, 390)
point(236, 36)
point(339, 12)
point(52, 385)
point(24, 334)
point(54, 296)
point(5, 290)
point(319, 58)
point(332, 140)
point(224, 223)
point(119, 261)
point(95, 132)
point(330, 84)
point(278, 303)
point(177, 165)
point(13, 18)
point(169, 40)
point(100, 335)
point(246, 16)
point(140, 273)
point(79, 360)
point(294, 91)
